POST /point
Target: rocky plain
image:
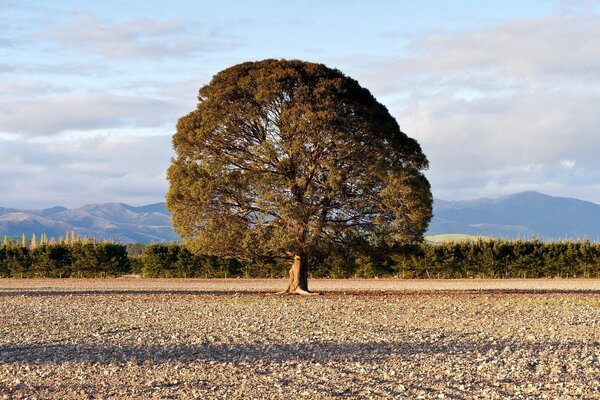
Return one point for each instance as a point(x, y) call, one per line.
point(358, 339)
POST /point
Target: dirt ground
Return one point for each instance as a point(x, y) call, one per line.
point(215, 339)
point(233, 286)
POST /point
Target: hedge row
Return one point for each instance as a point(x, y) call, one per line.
point(62, 260)
point(176, 261)
point(501, 259)
point(480, 259)
point(484, 259)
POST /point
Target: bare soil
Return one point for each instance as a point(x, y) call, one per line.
point(213, 339)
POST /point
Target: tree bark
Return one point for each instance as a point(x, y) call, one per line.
point(298, 283)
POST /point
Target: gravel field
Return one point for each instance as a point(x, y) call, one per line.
point(218, 339)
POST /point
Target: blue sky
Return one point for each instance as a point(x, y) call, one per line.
point(502, 96)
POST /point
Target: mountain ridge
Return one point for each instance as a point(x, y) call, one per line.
point(113, 221)
point(520, 215)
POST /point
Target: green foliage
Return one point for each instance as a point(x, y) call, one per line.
point(364, 268)
point(51, 261)
point(77, 259)
point(501, 259)
point(103, 258)
point(176, 261)
point(159, 260)
point(282, 157)
point(480, 259)
point(137, 265)
point(15, 261)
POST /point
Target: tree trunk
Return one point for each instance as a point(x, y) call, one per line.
point(298, 283)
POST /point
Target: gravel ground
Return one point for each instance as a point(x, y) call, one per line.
point(143, 339)
point(273, 285)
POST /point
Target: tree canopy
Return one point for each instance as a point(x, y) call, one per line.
point(281, 156)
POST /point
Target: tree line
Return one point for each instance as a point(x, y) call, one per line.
point(78, 257)
point(63, 260)
point(501, 259)
point(478, 259)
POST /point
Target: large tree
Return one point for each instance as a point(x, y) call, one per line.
point(281, 156)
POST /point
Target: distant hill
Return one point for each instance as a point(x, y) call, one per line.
point(114, 221)
point(521, 215)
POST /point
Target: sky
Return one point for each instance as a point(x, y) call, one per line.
point(503, 96)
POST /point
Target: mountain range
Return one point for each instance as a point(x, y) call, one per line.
point(114, 221)
point(521, 215)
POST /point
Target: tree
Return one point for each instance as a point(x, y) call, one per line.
point(51, 260)
point(282, 156)
point(159, 260)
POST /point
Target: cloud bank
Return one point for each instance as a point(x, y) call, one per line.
point(138, 38)
point(37, 173)
point(500, 109)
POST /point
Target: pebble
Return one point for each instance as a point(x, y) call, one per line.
point(149, 344)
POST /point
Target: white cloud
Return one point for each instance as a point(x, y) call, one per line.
point(38, 173)
point(41, 112)
point(20, 89)
point(569, 164)
point(141, 38)
point(487, 104)
point(549, 46)
point(497, 110)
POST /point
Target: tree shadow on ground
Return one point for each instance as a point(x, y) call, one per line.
point(327, 293)
point(316, 351)
point(126, 292)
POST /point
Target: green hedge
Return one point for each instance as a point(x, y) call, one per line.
point(481, 259)
point(176, 261)
point(79, 259)
point(501, 259)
